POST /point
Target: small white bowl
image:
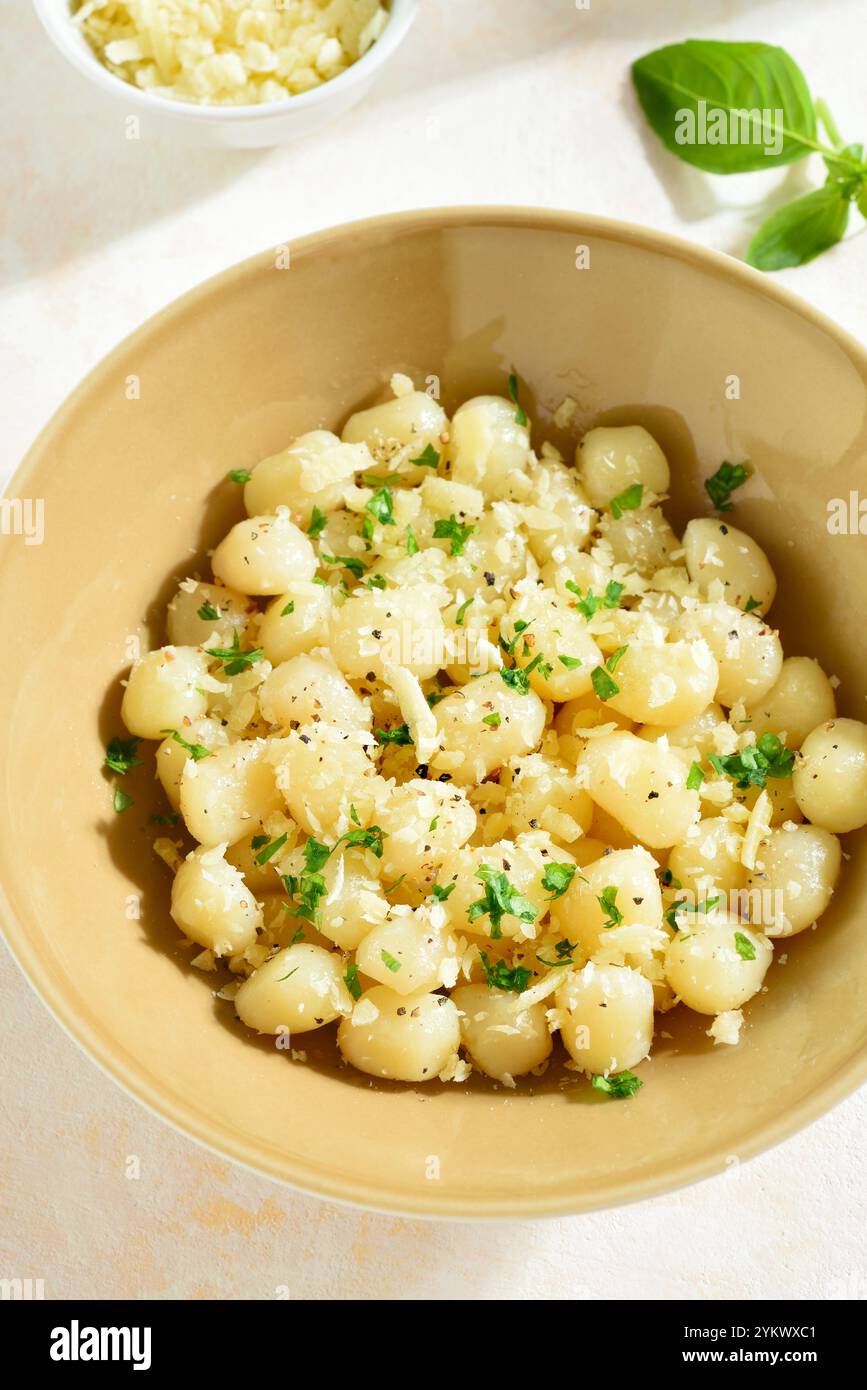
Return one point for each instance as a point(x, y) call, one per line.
point(238, 127)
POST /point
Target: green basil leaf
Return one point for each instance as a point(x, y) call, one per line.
point(751, 95)
point(802, 230)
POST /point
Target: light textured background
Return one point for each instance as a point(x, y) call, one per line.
point(490, 101)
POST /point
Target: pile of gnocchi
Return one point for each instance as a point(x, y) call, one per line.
point(478, 753)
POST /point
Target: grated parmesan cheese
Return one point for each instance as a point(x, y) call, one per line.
point(225, 53)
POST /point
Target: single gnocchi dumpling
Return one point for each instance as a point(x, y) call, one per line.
point(212, 905)
point(718, 964)
point(299, 989)
point(197, 739)
point(717, 551)
point(263, 555)
point(748, 653)
point(801, 698)
point(402, 1037)
point(667, 684)
point(830, 775)
point(710, 858)
point(310, 689)
point(549, 639)
point(504, 1035)
point(376, 629)
point(641, 539)
point(410, 951)
point(485, 724)
point(231, 792)
point(165, 690)
point(296, 621)
point(608, 1023)
point(542, 793)
point(423, 821)
point(207, 615)
point(618, 889)
point(796, 870)
point(312, 473)
point(642, 785)
point(490, 446)
point(400, 432)
point(560, 519)
point(324, 772)
point(610, 459)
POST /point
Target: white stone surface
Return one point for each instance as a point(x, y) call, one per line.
point(500, 101)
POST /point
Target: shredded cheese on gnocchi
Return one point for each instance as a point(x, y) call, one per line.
point(472, 755)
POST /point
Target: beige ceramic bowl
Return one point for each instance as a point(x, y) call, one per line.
point(134, 497)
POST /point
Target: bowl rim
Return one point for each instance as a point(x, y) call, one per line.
point(61, 30)
point(112, 1061)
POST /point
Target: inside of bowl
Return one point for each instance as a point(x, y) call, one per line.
point(134, 490)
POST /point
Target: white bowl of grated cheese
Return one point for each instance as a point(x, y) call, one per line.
point(241, 74)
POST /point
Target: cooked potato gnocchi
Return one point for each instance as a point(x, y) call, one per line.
point(468, 748)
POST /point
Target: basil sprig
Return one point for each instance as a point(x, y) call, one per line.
point(734, 108)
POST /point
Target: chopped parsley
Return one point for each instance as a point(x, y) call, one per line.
point(556, 879)
point(381, 507)
point(624, 1084)
point(695, 777)
point(706, 905)
point(120, 755)
point(389, 961)
point(121, 800)
point(399, 735)
point(570, 662)
point(234, 660)
point(563, 950)
point(306, 889)
point(492, 719)
point(589, 604)
point(166, 818)
point(318, 523)
point(627, 500)
point(270, 848)
point(607, 900)
point(506, 977)
point(603, 684)
point(377, 581)
point(208, 613)
point(753, 765)
point(411, 542)
point(290, 608)
point(347, 562)
point(462, 612)
point(501, 899)
point(452, 530)
point(515, 677)
point(428, 458)
point(371, 839)
point(239, 475)
point(440, 894)
point(723, 483)
point(352, 982)
point(197, 751)
point(744, 947)
point(520, 412)
point(751, 604)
